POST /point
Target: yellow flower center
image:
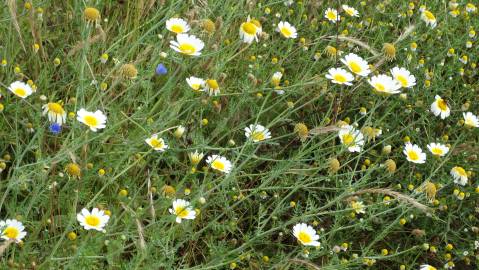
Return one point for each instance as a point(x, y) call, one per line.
point(20, 92)
point(331, 15)
point(256, 23)
point(469, 122)
point(412, 155)
point(401, 79)
point(187, 48)
point(212, 84)
point(11, 232)
point(340, 78)
point(429, 15)
point(56, 108)
point(442, 104)
point(350, 11)
point(355, 67)
point(286, 31)
point(348, 139)
point(460, 171)
point(91, 14)
point(218, 165)
point(91, 121)
point(249, 28)
point(304, 237)
point(181, 211)
point(437, 151)
point(93, 221)
point(177, 28)
point(195, 86)
point(379, 87)
point(156, 143)
point(257, 135)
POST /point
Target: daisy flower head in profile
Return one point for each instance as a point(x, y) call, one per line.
point(177, 25)
point(195, 157)
point(20, 89)
point(403, 77)
point(356, 64)
point(12, 229)
point(332, 15)
point(306, 235)
point(428, 18)
point(182, 210)
point(358, 207)
point(459, 175)
point(427, 267)
point(340, 76)
point(439, 107)
point(212, 87)
point(352, 138)
point(187, 44)
point(438, 149)
point(276, 78)
point(350, 11)
point(219, 163)
point(196, 83)
point(286, 30)
point(157, 143)
point(94, 220)
point(470, 120)
point(257, 133)
point(414, 153)
point(384, 84)
point(55, 112)
point(250, 30)
point(94, 120)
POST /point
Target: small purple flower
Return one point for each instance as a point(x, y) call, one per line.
point(161, 69)
point(55, 128)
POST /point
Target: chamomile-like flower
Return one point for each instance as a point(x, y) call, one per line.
point(286, 30)
point(187, 44)
point(94, 220)
point(182, 210)
point(177, 25)
point(250, 30)
point(470, 120)
point(351, 138)
point(403, 77)
point(55, 112)
point(94, 120)
point(438, 149)
point(332, 15)
point(195, 157)
point(428, 18)
point(157, 143)
point(196, 83)
point(427, 267)
point(306, 235)
point(358, 207)
point(340, 76)
point(276, 78)
point(20, 89)
point(257, 133)
point(350, 11)
point(439, 107)
point(356, 64)
point(384, 84)
point(470, 7)
point(212, 87)
point(12, 229)
point(459, 175)
point(219, 163)
point(414, 153)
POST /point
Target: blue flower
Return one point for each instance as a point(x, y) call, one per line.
point(55, 128)
point(161, 69)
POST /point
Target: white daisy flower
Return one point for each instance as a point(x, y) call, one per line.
point(350, 11)
point(12, 229)
point(356, 64)
point(276, 78)
point(20, 89)
point(55, 112)
point(157, 143)
point(439, 107)
point(94, 220)
point(384, 84)
point(195, 83)
point(332, 15)
point(428, 18)
point(427, 267)
point(94, 120)
point(257, 133)
point(182, 210)
point(459, 175)
point(470, 7)
point(470, 120)
point(195, 157)
point(351, 138)
point(177, 25)
point(414, 153)
point(438, 149)
point(286, 30)
point(358, 207)
point(340, 76)
point(250, 31)
point(403, 77)
point(212, 87)
point(306, 235)
point(187, 44)
point(219, 163)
